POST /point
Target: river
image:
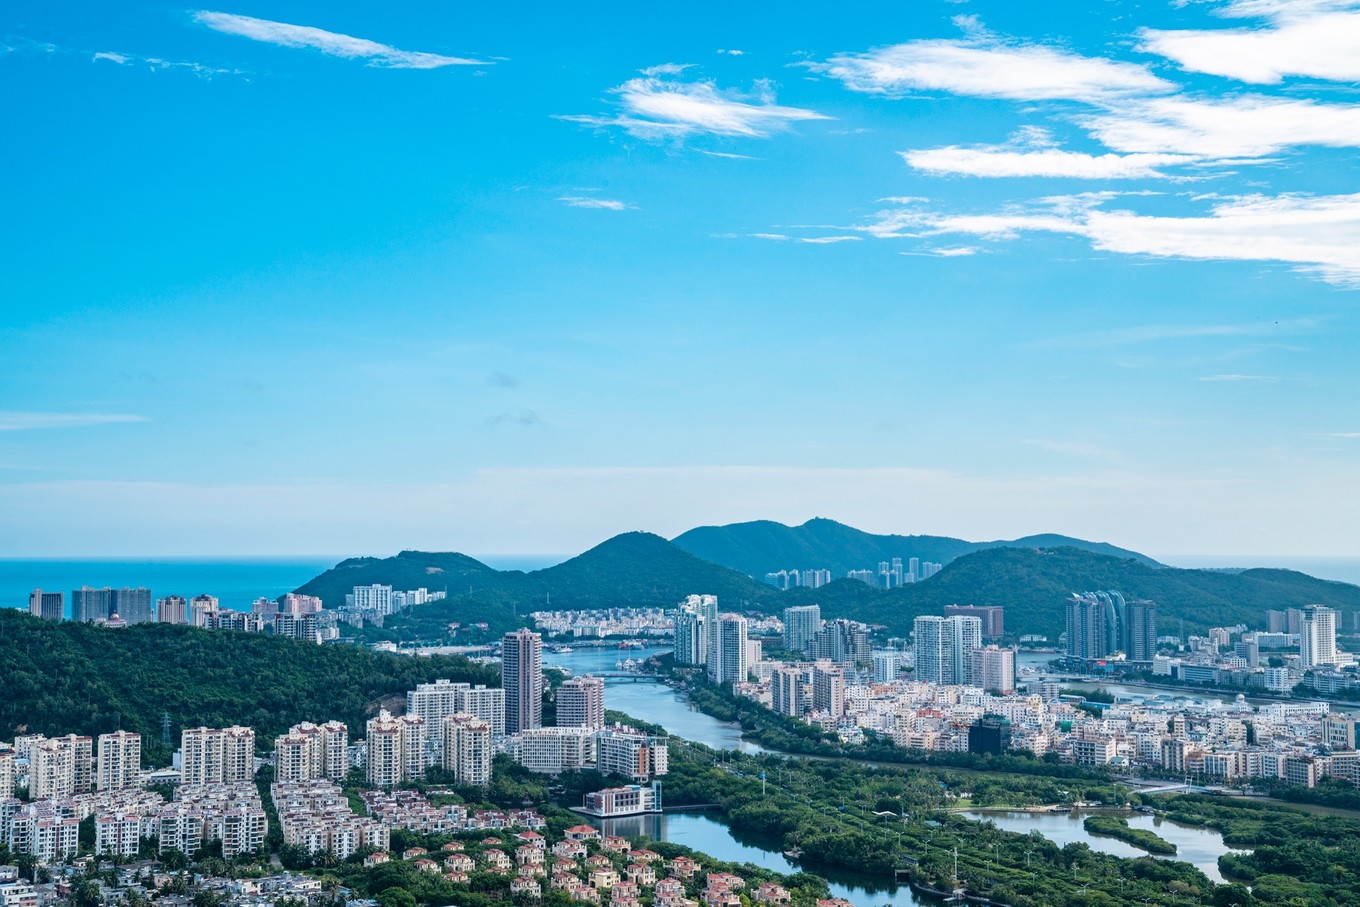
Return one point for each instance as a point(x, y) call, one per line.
point(1200, 847)
point(706, 832)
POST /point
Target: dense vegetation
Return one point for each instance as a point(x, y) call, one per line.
point(78, 678)
point(879, 819)
point(1118, 827)
point(638, 569)
point(1295, 857)
point(763, 546)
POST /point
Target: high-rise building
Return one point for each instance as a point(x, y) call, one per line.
point(828, 690)
point(1140, 630)
point(414, 747)
point(6, 772)
point(89, 605)
point(299, 604)
point(992, 616)
point(384, 764)
point(695, 619)
point(173, 609)
point(522, 680)
point(120, 761)
point(202, 610)
point(467, 749)
point(1317, 637)
point(217, 755)
point(786, 692)
point(371, 598)
point(60, 767)
point(1087, 635)
point(727, 659)
point(265, 606)
point(842, 641)
point(580, 702)
point(993, 669)
point(312, 752)
point(943, 647)
point(801, 623)
point(886, 665)
point(47, 605)
point(133, 605)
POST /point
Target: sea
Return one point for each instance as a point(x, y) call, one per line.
point(237, 582)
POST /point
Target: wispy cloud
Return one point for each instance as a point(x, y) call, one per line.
point(1313, 40)
point(1239, 378)
point(987, 67)
point(1318, 234)
point(327, 42)
point(605, 204)
point(1031, 153)
point(657, 107)
point(12, 420)
point(827, 240)
point(729, 155)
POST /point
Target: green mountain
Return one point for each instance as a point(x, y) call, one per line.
point(1032, 584)
point(67, 677)
point(764, 546)
point(640, 569)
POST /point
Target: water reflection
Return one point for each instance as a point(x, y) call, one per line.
point(650, 700)
point(706, 832)
point(1200, 847)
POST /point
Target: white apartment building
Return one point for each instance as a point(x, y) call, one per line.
point(120, 834)
point(993, 669)
point(311, 752)
point(217, 755)
point(943, 646)
point(60, 767)
point(467, 749)
point(828, 690)
point(580, 702)
point(786, 689)
point(316, 816)
point(801, 623)
point(727, 657)
point(1317, 637)
point(553, 750)
point(120, 761)
point(6, 773)
point(384, 765)
point(371, 598)
point(436, 701)
point(624, 751)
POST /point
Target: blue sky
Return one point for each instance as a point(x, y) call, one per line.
point(284, 277)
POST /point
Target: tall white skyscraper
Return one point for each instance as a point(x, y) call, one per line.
point(384, 765)
point(522, 680)
point(993, 669)
point(1317, 637)
point(695, 619)
point(727, 658)
point(943, 646)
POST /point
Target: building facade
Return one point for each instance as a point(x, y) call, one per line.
point(522, 680)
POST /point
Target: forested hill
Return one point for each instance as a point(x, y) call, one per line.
point(636, 568)
point(763, 546)
point(61, 678)
point(639, 569)
point(1032, 585)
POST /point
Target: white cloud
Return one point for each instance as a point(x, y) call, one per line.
point(1314, 40)
point(955, 251)
point(27, 421)
point(327, 42)
point(1010, 161)
point(1234, 127)
point(827, 240)
point(729, 155)
point(112, 57)
point(732, 52)
point(1318, 234)
point(605, 204)
point(985, 67)
point(656, 107)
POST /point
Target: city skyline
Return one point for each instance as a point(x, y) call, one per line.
point(277, 273)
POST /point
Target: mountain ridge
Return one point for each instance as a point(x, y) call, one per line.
point(765, 546)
